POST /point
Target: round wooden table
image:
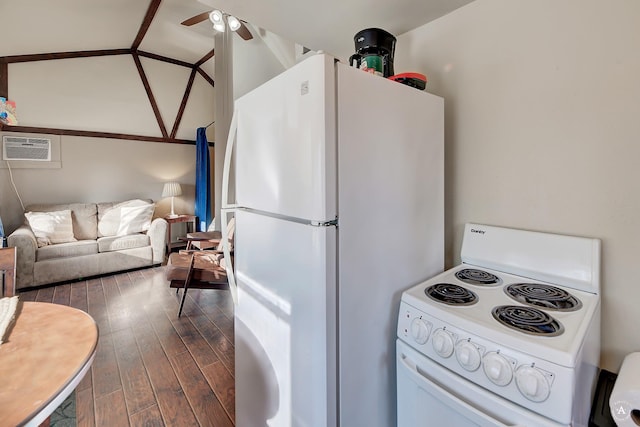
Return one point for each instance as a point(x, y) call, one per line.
point(45, 355)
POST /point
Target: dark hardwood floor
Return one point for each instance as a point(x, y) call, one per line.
point(151, 367)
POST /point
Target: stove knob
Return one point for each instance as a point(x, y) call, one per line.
point(532, 383)
point(468, 355)
point(442, 343)
point(497, 368)
point(420, 330)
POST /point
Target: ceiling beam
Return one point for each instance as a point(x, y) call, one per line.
point(183, 104)
point(206, 77)
point(63, 55)
point(146, 23)
point(198, 64)
point(205, 58)
point(102, 52)
point(93, 134)
point(152, 99)
point(4, 79)
point(164, 59)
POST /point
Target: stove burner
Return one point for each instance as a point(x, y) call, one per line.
point(528, 320)
point(451, 294)
point(544, 296)
point(477, 277)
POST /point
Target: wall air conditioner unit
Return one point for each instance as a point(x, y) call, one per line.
point(26, 148)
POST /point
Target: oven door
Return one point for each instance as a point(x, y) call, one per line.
point(431, 395)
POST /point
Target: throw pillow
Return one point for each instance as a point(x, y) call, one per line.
point(109, 215)
point(135, 219)
point(51, 227)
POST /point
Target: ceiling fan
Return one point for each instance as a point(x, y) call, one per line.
point(216, 17)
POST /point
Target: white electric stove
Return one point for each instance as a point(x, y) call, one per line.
point(509, 337)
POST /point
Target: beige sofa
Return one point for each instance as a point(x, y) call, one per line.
point(89, 239)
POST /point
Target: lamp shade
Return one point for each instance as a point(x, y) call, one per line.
point(171, 189)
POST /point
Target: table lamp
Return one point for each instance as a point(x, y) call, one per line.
point(172, 189)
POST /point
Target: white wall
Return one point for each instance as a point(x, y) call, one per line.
point(105, 94)
point(253, 64)
point(542, 128)
point(97, 170)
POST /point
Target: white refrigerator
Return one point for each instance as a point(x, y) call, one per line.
point(339, 207)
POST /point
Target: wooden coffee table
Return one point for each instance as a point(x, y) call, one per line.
point(46, 353)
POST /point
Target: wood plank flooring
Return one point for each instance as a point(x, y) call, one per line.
point(151, 367)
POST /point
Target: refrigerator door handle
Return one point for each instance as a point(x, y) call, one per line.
point(228, 208)
point(226, 168)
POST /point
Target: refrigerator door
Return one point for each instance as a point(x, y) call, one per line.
point(285, 147)
point(284, 323)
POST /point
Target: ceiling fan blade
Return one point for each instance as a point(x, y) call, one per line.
point(196, 19)
point(244, 32)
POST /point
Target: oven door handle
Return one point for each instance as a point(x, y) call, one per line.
point(447, 397)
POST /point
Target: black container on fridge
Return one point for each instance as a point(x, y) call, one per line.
point(374, 51)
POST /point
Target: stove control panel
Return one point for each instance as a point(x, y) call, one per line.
point(515, 375)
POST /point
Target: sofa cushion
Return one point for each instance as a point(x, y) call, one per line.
point(109, 215)
point(62, 250)
point(118, 243)
point(51, 227)
point(84, 217)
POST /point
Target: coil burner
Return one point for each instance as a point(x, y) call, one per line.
point(543, 296)
point(451, 294)
point(474, 276)
point(528, 320)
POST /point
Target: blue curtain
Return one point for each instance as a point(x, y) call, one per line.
point(203, 181)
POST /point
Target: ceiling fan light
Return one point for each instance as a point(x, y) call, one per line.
point(216, 17)
point(234, 23)
point(219, 27)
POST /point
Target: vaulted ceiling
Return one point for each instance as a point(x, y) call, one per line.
point(41, 29)
point(42, 26)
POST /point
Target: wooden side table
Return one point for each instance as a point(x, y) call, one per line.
point(174, 220)
point(8, 265)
